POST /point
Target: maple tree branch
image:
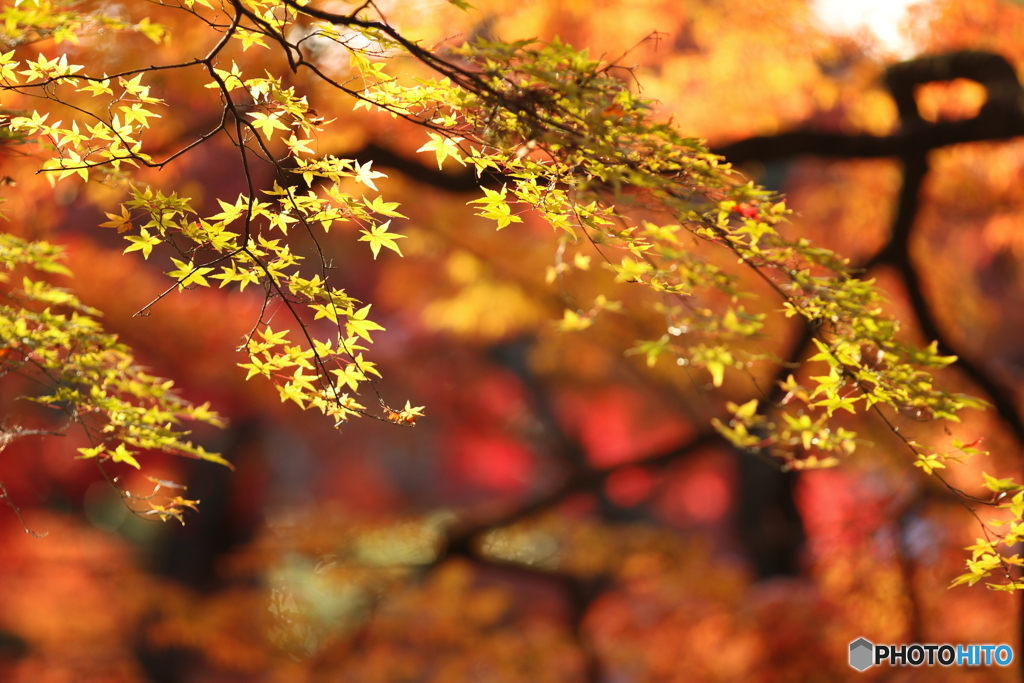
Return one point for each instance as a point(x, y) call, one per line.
point(7, 436)
point(896, 253)
point(1002, 117)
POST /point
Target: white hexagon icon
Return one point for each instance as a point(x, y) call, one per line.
point(861, 654)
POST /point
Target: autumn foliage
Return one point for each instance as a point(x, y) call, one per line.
point(482, 363)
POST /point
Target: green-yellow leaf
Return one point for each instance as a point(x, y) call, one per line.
point(378, 236)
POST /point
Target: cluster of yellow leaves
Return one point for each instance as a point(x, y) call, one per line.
point(572, 138)
point(29, 21)
point(234, 245)
point(84, 372)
